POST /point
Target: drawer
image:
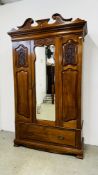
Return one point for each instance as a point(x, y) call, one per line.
point(47, 134)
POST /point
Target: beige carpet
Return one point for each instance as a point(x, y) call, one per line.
point(24, 161)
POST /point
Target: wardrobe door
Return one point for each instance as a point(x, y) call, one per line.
point(71, 80)
point(22, 81)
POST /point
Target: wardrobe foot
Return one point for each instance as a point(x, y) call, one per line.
point(79, 156)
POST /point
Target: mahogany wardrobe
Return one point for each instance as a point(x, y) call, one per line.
point(47, 63)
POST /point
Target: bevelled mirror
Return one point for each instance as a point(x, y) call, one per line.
point(45, 82)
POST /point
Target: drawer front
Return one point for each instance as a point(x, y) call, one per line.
point(47, 134)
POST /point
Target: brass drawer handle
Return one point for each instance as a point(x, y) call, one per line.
point(61, 137)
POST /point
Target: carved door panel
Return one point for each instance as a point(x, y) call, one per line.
point(22, 80)
point(71, 79)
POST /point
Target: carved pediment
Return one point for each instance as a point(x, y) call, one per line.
point(58, 19)
point(44, 25)
point(27, 24)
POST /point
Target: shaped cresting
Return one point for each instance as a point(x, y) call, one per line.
point(47, 59)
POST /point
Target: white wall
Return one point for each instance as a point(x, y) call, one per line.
point(13, 15)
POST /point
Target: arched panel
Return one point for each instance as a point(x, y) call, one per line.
point(21, 56)
point(70, 95)
point(69, 53)
point(22, 93)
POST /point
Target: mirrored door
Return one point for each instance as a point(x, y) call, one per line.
point(45, 82)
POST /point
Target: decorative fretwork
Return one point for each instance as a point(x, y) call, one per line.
point(21, 59)
point(45, 41)
point(21, 56)
point(70, 53)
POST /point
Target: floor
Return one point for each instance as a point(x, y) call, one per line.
point(24, 161)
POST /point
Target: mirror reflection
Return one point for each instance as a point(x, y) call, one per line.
point(45, 82)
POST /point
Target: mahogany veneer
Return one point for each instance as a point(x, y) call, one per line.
point(65, 134)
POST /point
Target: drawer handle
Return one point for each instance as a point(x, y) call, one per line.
point(61, 137)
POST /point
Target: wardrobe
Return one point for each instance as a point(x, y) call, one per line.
point(49, 121)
